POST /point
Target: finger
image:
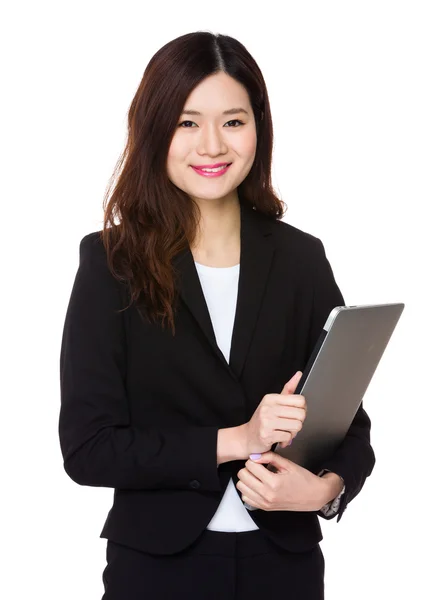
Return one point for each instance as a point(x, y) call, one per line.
point(249, 495)
point(252, 477)
point(292, 400)
point(261, 476)
point(290, 426)
point(291, 385)
point(279, 462)
point(248, 503)
point(283, 411)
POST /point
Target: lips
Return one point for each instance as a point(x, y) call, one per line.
point(223, 164)
point(218, 173)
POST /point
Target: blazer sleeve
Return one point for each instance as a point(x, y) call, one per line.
point(354, 459)
point(99, 443)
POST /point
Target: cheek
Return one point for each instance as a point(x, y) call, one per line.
point(248, 146)
point(247, 152)
point(175, 151)
point(176, 155)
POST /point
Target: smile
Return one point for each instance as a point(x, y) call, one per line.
point(211, 172)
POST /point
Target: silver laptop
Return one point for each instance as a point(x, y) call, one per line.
point(337, 376)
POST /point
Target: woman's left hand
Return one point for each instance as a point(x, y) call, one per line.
point(291, 488)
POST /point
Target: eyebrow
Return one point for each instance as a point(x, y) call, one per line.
point(230, 111)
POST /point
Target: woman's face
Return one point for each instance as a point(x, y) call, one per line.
point(213, 137)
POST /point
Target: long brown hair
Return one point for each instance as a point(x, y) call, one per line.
point(157, 220)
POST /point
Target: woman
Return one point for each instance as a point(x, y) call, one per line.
point(186, 331)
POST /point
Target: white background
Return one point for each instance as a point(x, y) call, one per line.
point(354, 90)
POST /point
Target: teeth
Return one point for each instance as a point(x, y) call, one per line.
point(214, 170)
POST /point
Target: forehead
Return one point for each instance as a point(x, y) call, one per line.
point(217, 94)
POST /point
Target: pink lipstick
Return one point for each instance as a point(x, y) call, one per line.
point(220, 169)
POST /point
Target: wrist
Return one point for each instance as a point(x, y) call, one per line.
point(331, 485)
point(241, 441)
point(231, 444)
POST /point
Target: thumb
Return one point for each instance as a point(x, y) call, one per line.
point(290, 386)
point(274, 459)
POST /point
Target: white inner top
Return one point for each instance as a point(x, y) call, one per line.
point(220, 288)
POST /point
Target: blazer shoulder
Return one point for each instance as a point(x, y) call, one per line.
point(92, 249)
point(92, 242)
point(93, 260)
point(289, 236)
point(93, 256)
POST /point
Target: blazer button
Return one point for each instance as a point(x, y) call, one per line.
point(194, 484)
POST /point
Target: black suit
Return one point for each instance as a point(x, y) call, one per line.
point(140, 409)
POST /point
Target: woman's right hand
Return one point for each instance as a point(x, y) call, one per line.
point(277, 419)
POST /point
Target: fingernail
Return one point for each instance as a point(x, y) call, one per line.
point(254, 456)
point(290, 442)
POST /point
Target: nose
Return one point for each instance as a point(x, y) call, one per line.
point(211, 141)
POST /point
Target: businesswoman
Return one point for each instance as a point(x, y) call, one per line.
point(192, 314)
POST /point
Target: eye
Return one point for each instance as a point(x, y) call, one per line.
point(232, 121)
point(236, 121)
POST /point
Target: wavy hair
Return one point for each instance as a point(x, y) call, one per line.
point(157, 220)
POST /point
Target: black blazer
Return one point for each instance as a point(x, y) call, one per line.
point(140, 409)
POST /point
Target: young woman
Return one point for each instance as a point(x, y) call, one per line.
point(188, 325)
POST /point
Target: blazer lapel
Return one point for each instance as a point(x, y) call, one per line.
point(256, 253)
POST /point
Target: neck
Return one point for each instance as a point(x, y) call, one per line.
point(218, 233)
